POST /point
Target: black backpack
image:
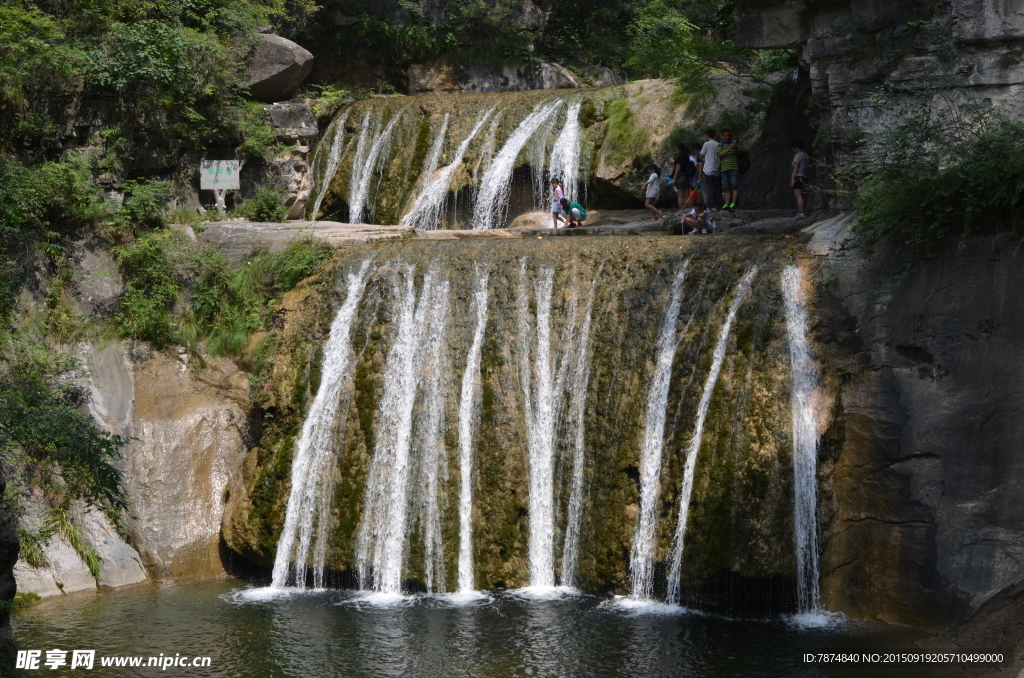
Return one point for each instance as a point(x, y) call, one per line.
point(689, 169)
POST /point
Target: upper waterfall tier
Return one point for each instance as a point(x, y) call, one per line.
point(480, 160)
point(549, 426)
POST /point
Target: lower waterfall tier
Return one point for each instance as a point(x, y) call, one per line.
point(568, 351)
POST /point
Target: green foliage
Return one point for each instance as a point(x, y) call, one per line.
point(624, 139)
point(57, 521)
point(266, 206)
point(946, 172)
point(180, 292)
point(259, 139)
point(327, 98)
point(144, 202)
point(662, 43)
point(40, 419)
point(31, 547)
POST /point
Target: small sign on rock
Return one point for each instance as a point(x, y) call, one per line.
point(219, 174)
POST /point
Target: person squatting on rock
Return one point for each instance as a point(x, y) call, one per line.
point(653, 191)
point(556, 202)
point(729, 156)
point(798, 181)
point(710, 171)
point(684, 174)
point(574, 213)
point(694, 221)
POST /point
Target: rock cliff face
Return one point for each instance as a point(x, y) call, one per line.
point(867, 60)
point(922, 471)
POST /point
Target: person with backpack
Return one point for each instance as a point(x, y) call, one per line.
point(684, 171)
point(574, 213)
point(729, 155)
point(653, 191)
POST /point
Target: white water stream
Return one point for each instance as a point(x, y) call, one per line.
point(380, 544)
point(698, 433)
point(578, 395)
point(565, 154)
point(427, 210)
point(368, 155)
point(333, 160)
point(467, 414)
point(641, 565)
point(495, 186)
point(312, 467)
point(805, 443)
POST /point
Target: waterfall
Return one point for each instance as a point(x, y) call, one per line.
point(381, 540)
point(578, 391)
point(312, 479)
point(492, 201)
point(565, 155)
point(466, 415)
point(426, 211)
point(432, 456)
point(483, 162)
point(368, 155)
point(333, 160)
point(698, 432)
point(641, 565)
point(540, 412)
point(805, 444)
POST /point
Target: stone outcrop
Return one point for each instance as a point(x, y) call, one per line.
point(921, 472)
point(189, 433)
point(852, 52)
point(276, 68)
point(478, 77)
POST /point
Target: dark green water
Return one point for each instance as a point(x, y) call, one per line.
point(334, 633)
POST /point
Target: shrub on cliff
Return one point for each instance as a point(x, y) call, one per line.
point(943, 174)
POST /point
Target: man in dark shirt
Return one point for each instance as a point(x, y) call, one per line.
point(683, 171)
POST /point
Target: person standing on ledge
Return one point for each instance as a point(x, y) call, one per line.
point(574, 213)
point(798, 181)
point(729, 156)
point(653, 191)
point(711, 182)
point(683, 172)
point(556, 202)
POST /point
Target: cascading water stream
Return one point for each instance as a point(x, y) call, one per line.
point(428, 207)
point(467, 413)
point(333, 160)
point(492, 201)
point(312, 489)
point(368, 154)
point(381, 540)
point(641, 566)
point(431, 454)
point(540, 410)
point(578, 389)
point(698, 433)
point(805, 443)
point(565, 154)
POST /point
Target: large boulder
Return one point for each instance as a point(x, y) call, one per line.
point(276, 68)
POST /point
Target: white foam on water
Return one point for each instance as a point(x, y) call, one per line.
point(816, 620)
point(542, 593)
point(641, 563)
point(637, 606)
point(698, 433)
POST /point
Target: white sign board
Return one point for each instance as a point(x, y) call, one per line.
point(219, 174)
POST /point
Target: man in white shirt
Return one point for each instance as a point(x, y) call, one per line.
point(710, 170)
